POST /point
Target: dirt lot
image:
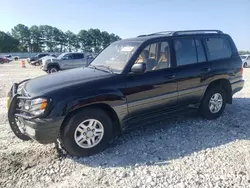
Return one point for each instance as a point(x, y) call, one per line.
point(182, 152)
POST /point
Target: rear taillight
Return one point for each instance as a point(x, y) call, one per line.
point(241, 71)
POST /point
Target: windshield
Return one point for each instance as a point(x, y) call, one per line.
point(61, 55)
point(243, 56)
point(116, 55)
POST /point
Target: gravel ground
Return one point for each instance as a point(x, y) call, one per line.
point(182, 152)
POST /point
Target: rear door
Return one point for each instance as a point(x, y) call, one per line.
point(193, 69)
point(79, 60)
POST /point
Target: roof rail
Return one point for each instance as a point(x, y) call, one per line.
point(141, 35)
point(195, 32)
point(175, 33)
point(157, 33)
point(162, 33)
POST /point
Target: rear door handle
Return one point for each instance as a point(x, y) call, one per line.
point(169, 76)
point(206, 70)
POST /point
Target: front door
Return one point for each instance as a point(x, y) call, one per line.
point(157, 87)
point(66, 61)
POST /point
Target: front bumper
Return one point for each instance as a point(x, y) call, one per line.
point(43, 130)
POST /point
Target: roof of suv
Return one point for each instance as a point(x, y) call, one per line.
point(174, 33)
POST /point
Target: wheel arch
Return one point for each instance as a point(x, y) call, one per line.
point(105, 107)
point(53, 65)
point(225, 84)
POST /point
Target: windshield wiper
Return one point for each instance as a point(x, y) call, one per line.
point(107, 67)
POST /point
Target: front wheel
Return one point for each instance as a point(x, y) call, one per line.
point(37, 64)
point(213, 103)
point(53, 69)
point(87, 132)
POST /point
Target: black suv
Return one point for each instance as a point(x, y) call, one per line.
point(132, 82)
point(38, 56)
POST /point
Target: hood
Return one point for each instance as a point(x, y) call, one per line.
point(59, 80)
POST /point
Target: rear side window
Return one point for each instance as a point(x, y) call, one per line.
point(78, 56)
point(185, 51)
point(218, 48)
point(200, 51)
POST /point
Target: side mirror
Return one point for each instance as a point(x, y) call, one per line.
point(138, 68)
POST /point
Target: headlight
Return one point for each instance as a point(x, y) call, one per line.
point(36, 106)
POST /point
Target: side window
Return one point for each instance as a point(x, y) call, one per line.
point(67, 56)
point(200, 51)
point(78, 56)
point(218, 48)
point(185, 51)
point(155, 56)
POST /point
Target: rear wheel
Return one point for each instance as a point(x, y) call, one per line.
point(245, 65)
point(213, 103)
point(87, 132)
point(53, 69)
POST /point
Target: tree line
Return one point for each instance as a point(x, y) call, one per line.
point(45, 38)
point(244, 52)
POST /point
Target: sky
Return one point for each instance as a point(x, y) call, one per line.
point(131, 18)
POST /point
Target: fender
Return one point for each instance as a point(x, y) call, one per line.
point(53, 64)
point(111, 97)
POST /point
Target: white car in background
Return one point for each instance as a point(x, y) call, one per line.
point(245, 60)
point(65, 61)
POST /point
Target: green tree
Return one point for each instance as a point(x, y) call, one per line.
point(48, 38)
point(105, 39)
point(244, 52)
point(114, 37)
point(72, 41)
point(36, 39)
point(8, 43)
point(22, 33)
point(47, 33)
point(85, 41)
point(96, 39)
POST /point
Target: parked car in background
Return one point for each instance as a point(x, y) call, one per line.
point(65, 61)
point(39, 61)
point(15, 58)
point(38, 56)
point(4, 59)
point(132, 82)
point(245, 60)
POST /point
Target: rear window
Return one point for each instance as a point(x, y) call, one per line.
point(218, 48)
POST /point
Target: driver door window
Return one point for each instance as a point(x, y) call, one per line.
point(67, 57)
point(155, 56)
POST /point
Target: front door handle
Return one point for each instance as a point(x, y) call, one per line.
point(206, 70)
point(169, 76)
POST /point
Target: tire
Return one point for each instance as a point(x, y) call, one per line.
point(52, 69)
point(245, 65)
point(37, 64)
point(68, 134)
point(204, 107)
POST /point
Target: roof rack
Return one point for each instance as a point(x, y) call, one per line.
point(196, 32)
point(157, 33)
point(184, 32)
